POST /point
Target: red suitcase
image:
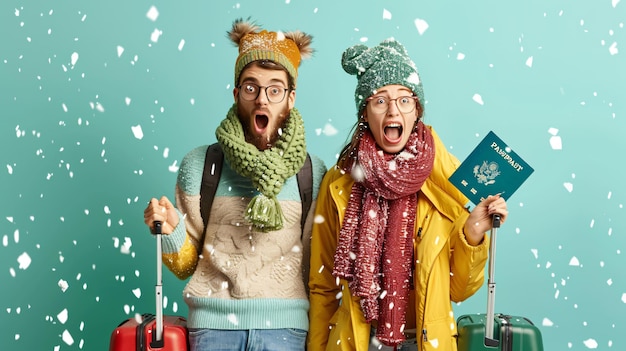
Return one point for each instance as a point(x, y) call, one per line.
point(152, 332)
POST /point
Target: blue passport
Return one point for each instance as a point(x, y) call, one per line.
point(491, 168)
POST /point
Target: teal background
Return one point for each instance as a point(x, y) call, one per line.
point(78, 77)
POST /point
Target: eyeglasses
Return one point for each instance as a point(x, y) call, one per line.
point(251, 91)
point(380, 104)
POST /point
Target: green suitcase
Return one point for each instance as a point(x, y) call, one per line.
point(510, 333)
point(489, 331)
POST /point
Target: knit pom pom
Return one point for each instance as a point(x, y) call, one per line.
point(240, 29)
point(265, 213)
point(303, 41)
point(355, 60)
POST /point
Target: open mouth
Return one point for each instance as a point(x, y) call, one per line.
point(261, 122)
point(393, 132)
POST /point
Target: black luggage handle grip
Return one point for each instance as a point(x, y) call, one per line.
point(496, 221)
point(158, 227)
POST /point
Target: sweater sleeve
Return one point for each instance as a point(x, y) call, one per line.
point(182, 247)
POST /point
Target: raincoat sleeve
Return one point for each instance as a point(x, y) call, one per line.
point(323, 289)
point(467, 265)
point(467, 262)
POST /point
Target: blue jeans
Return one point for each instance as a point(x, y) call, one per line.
point(409, 345)
point(247, 340)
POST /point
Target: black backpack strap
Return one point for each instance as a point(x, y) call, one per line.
point(210, 178)
point(305, 184)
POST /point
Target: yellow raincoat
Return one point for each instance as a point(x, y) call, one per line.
point(447, 268)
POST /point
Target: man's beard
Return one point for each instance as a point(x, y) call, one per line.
point(263, 142)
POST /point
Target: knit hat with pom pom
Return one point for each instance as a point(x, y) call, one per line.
point(385, 64)
point(285, 48)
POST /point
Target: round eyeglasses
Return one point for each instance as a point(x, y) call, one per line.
point(380, 104)
point(251, 91)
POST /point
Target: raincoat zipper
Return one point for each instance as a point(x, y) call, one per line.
point(424, 331)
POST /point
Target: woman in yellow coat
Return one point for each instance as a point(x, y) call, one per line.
point(393, 243)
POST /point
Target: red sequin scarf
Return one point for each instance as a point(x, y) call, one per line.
point(375, 248)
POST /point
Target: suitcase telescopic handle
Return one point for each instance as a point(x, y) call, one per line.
point(491, 285)
point(159, 282)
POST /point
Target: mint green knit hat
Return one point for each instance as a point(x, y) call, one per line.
point(385, 64)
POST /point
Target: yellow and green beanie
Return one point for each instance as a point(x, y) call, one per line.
point(285, 48)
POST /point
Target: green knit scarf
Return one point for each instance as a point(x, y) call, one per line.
point(268, 169)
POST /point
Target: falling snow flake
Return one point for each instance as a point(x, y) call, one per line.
point(153, 14)
point(125, 249)
point(328, 130)
point(319, 219)
point(555, 140)
point(74, 58)
point(591, 344)
point(156, 33)
point(63, 285)
point(67, 338)
point(478, 99)
point(421, 25)
point(569, 186)
point(173, 167)
point(386, 14)
point(547, 322)
point(62, 316)
point(357, 173)
point(556, 143)
point(529, 62)
point(96, 106)
point(137, 131)
point(232, 318)
point(24, 260)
